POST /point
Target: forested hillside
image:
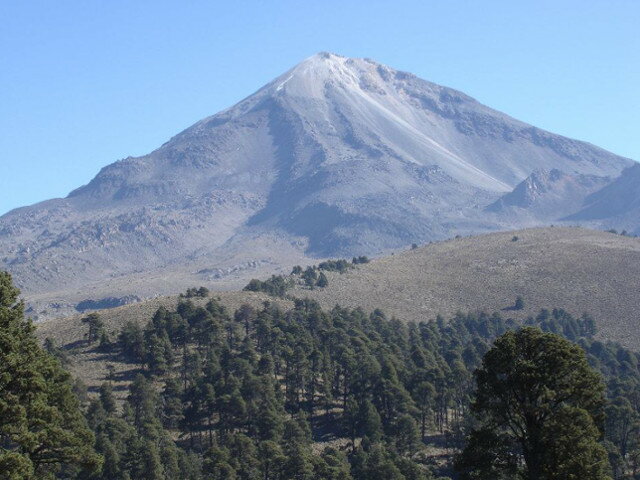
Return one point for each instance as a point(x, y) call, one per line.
point(307, 393)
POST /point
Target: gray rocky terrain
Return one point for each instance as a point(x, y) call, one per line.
point(617, 204)
point(547, 195)
point(336, 157)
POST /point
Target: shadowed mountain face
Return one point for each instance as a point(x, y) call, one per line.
point(548, 195)
point(618, 203)
point(338, 156)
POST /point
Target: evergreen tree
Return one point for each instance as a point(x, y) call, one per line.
point(41, 425)
point(95, 325)
point(406, 435)
point(370, 422)
point(376, 464)
point(107, 400)
point(310, 276)
point(424, 394)
point(52, 349)
point(331, 465)
point(519, 305)
point(131, 341)
point(271, 460)
point(172, 413)
point(322, 280)
point(536, 399)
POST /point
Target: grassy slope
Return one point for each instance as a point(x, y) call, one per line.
point(572, 268)
point(575, 269)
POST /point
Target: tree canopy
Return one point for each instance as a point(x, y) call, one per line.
point(540, 407)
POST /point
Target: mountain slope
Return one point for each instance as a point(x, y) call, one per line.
point(338, 156)
point(548, 195)
point(618, 203)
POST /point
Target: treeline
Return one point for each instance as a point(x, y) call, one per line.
point(311, 277)
point(269, 386)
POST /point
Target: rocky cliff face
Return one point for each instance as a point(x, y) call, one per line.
point(337, 156)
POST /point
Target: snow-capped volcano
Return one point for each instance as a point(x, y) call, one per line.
point(337, 156)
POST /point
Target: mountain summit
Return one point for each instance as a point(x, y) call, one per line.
point(337, 156)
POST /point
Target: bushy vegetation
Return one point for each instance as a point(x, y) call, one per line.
point(340, 266)
point(360, 259)
point(276, 286)
point(311, 277)
point(201, 292)
point(623, 233)
point(519, 305)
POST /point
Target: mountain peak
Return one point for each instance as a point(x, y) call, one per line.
point(311, 76)
point(322, 56)
point(337, 156)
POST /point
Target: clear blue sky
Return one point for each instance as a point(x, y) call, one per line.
point(85, 83)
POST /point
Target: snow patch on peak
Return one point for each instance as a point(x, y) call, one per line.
point(311, 76)
point(279, 87)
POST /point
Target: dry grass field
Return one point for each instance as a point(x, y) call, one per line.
point(572, 268)
point(576, 269)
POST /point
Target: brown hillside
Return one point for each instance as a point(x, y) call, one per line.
point(576, 269)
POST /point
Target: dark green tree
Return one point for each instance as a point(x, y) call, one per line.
point(331, 465)
point(537, 400)
point(322, 280)
point(310, 276)
point(131, 341)
point(41, 425)
point(369, 422)
point(95, 324)
point(376, 464)
point(107, 399)
point(52, 349)
point(272, 459)
point(172, 408)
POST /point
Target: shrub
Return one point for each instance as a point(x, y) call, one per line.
point(519, 305)
point(360, 259)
